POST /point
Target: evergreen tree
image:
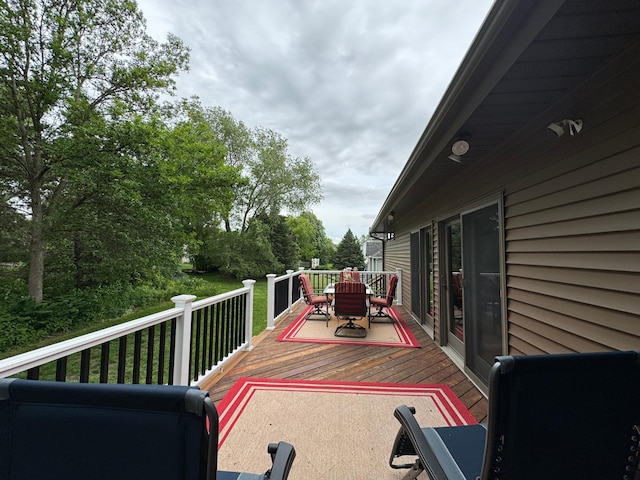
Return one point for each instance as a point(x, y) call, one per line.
point(283, 242)
point(349, 253)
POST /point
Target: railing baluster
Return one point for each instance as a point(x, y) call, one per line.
point(196, 345)
point(203, 339)
point(212, 330)
point(137, 346)
point(150, 345)
point(216, 344)
point(122, 359)
point(85, 362)
point(104, 363)
point(224, 331)
point(172, 351)
point(61, 369)
point(161, 349)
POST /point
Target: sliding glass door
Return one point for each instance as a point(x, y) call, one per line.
point(452, 283)
point(421, 248)
point(482, 304)
point(470, 287)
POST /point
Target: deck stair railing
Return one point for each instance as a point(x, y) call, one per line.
point(179, 346)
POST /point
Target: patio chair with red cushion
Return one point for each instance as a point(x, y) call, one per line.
point(318, 302)
point(350, 302)
point(383, 302)
point(350, 276)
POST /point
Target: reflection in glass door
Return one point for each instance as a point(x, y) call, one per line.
point(482, 299)
point(454, 286)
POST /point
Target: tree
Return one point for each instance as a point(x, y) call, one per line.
point(242, 255)
point(67, 69)
point(276, 181)
point(311, 237)
point(283, 243)
point(193, 156)
point(349, 253)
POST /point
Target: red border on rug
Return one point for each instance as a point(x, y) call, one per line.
point(236, 400)
point(407, 339)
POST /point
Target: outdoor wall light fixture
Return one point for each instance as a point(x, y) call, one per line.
point(391, 216)
point(574, 127)
point(458, 149)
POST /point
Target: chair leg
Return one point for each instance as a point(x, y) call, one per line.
point(414, 472)
point(350, 329)
point(317, 310)
point(382, 313)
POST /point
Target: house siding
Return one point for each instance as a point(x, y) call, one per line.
point(573, 258)
point(571, 228)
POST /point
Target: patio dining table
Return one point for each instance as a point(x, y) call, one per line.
point(330, 289)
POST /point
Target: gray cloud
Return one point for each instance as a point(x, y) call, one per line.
point(350, 84)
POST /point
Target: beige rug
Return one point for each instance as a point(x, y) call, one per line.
point(339, 430)
point(382, 333)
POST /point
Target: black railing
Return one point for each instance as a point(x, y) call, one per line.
point(177, 346)
point(218, 330)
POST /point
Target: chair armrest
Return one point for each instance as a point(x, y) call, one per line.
point(282, 456)
point(427, 451)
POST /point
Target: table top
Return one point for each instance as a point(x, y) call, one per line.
point(330, 289)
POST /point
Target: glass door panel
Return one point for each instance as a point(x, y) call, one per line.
point(482, 299)
point(454, 286)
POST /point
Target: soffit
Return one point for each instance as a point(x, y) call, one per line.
point(578, 40)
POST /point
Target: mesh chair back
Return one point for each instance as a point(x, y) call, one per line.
point(98, 431)
point(563, 416)
point(350, 299)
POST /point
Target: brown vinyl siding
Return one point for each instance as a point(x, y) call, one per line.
point(573, 258)
point(396, 255)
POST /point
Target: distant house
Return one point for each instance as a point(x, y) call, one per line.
point(373, 255)
point(516, 219)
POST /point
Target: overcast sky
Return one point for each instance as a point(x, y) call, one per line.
point(350, 83)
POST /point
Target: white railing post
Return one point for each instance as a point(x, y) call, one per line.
point(248, 333)
point(183, 339)
point(399, 287)
point(290, 291)
point(271, 300)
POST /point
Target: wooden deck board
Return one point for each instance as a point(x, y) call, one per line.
point(306, 361)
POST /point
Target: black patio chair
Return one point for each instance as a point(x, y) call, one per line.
point(80, 431)
point(551, 417)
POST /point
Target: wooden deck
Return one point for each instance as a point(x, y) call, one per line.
point(307, 361)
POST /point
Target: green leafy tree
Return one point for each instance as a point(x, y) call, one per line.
point(74, 77)
point(276, 180)
point(311, 237)
point(241, 255)
point(349, 253)
point(193, 159)
point(327, 252)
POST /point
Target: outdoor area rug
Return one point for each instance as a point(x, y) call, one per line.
point(339, 429)
point(384, 334)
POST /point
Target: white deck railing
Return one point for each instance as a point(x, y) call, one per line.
point(205, 334)
point(185, 343)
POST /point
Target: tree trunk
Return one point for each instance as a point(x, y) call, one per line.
point(37, 248)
